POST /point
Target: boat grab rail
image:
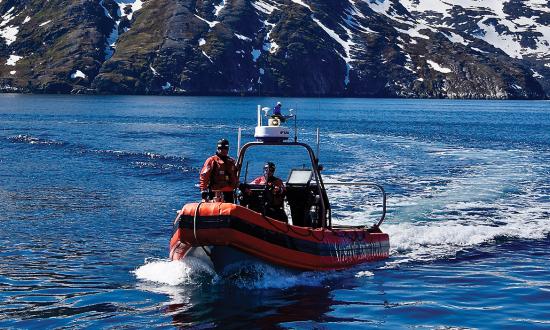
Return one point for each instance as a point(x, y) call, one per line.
point(366, 184)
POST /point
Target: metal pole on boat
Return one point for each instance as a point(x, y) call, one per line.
point(318, 140)
point(259, 115)
point(296, 127)
point(239, 142)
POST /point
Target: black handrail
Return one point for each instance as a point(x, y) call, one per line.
point(368, 184)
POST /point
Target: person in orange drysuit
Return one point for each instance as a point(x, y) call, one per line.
point(219, 174)
point(274, 195)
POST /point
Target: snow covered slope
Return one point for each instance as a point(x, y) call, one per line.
point(519, 28)
point(370, 48)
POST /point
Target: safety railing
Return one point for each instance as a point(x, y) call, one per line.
point(365, 184)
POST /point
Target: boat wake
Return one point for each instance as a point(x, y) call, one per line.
point(477, 195)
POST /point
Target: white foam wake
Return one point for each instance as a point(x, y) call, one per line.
point(448, 198)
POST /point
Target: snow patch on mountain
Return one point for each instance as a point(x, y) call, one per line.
point(438, 67)
point(479, 50)
point(13, 59)
point(346, 45)
point(414, 32)
point(497, 25)
point(126, 9)
point(135, 6)
point(8, 16)
point(155, 73)
point(351, 13)
point(208, 57)
point(8, 32)
point(380, 6)
point(437, 6)
point(536, 74)
point(78, 74)
point(506, 42)
point(218, 8)
point(540, 5)
point(456, 38)
point(303, 4)
point(241, 37)
point(264, 7)
point(269, 44)
point(210, 24)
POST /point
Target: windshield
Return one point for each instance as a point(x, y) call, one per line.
point(285, 157)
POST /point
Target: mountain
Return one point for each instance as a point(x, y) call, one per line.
point(362, 48)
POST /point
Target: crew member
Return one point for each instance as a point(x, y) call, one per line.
point(274, 194)
point(219, 175)
point(277, 110)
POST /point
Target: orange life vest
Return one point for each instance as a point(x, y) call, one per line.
point(218, 174)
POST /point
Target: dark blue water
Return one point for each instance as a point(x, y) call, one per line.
point(89, 187)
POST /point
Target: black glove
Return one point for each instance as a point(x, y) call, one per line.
point(204, 195)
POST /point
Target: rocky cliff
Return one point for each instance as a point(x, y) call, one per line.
point(366, 48)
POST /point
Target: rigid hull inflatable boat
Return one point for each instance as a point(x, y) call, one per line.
point(226, 234)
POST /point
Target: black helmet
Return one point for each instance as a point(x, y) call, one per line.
point(270, 166)
point(223, 144)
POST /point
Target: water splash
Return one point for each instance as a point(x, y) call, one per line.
point(189, 271)
point(256, 275)
point(364, 273)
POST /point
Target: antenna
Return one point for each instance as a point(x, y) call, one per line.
point(259, 115)
point(239, 142)
point(318, 140)
point(295, 126)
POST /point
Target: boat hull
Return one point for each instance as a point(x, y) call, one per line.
point(270, 240)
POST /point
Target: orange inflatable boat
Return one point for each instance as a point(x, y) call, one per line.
point(225, 234)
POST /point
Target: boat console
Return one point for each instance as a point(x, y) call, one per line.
point(252, 196)
point(302, 198)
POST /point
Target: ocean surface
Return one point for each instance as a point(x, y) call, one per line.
point(90, 185)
